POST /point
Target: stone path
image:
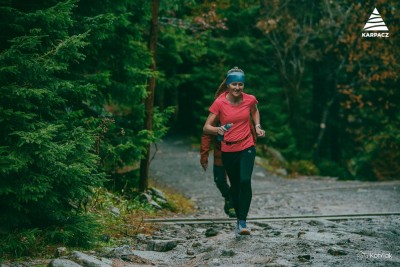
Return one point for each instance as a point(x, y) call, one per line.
point(363, 242)
point(307, 242)
point(176, 165)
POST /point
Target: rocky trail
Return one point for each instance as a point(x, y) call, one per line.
point(312, 242)
point(373, 241)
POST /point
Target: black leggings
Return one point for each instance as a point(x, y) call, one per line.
point(221, 182)
point(239, 167)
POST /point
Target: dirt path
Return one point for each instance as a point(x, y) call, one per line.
point(307, 242)
point(362, 242)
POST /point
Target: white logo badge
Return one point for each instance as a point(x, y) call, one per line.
point(375, 26)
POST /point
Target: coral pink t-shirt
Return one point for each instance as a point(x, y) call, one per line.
point(239, 115)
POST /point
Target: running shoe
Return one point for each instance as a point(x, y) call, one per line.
point(229, 210)
point(242, 228)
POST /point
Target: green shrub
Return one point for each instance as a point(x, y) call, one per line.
point(77, 231)
point(333, 169)
point(302, 167)
point(21, 243)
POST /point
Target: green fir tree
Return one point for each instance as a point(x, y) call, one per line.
point(48, 161)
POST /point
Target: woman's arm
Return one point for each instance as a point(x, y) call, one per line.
point(255, 114)
point(256, 118)
point(209, 127)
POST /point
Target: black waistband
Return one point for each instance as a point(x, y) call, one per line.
point(236, 142)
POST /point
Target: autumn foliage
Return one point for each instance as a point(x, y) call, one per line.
point(357, 97)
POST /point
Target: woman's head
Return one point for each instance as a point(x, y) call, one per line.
point(235, 75)
point(235, 81)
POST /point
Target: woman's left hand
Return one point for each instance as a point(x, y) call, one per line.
point(260, 132)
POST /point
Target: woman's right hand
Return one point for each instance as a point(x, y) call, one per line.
point(221, 130)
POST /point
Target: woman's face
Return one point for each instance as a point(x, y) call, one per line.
point(236, 88)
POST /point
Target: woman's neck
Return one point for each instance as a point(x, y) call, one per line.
point(234, 100)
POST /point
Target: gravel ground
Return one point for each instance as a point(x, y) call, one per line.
point(309, 242)
point(306, 242)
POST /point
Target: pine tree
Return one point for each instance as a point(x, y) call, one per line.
point(48, 164)
point(118, 62)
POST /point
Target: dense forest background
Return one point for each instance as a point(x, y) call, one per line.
point(75, 76)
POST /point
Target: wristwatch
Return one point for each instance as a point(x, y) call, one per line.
point(258, 125)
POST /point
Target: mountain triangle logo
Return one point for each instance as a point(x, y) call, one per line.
point(375, 23)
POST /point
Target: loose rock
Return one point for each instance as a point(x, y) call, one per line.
point(63, 263)
point(304, 257)
point(337, 252)
point(161, 245)
point(228, 253)
point(211, 232)
point(87, 260)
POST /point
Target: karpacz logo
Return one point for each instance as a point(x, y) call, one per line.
point(375, 34)
point(375, 26)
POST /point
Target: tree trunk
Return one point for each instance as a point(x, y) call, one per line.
point(323, 112)
point(149, 102)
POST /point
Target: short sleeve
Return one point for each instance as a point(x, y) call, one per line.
point(215, 107)
point(253, 100)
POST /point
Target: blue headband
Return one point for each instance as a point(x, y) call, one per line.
point(236, 76)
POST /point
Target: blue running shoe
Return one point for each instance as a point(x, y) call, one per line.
point(242, 228)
